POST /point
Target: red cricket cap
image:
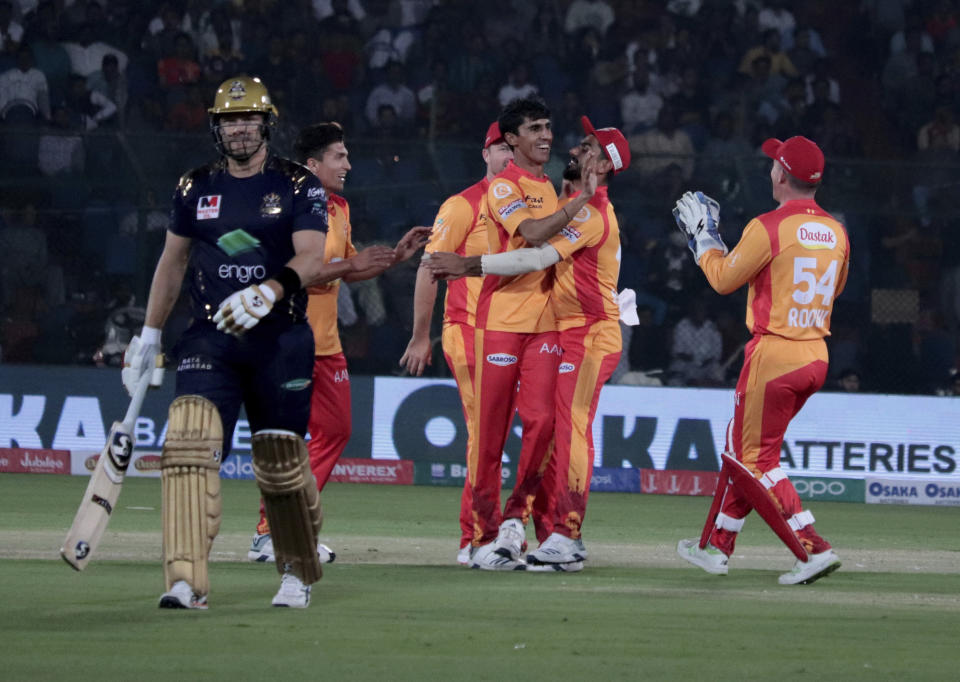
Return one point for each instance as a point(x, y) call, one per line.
point(612, 142)
point(800, 157)
point(493, 135)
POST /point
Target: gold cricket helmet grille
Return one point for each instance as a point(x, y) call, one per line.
point(242, 94)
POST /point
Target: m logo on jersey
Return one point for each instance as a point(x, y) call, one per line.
point(208, 207)
point(502, 359)
point(501, 190)
point(816, 236)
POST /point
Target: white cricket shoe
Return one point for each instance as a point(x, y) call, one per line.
point(558, 549)
point(511, 538)
point(569, 567)
point(489, 557)
point(463, 556)
point(710, 559)
point(292, 593)
point(816, 567)
point(261, 549)
point(182, 596)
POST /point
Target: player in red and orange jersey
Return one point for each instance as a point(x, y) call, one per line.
point(516, 340)
point(460, 227)
point(795, 259)
point(586, 255)
point(320, 147)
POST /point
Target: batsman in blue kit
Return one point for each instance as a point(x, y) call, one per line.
point(248, 230)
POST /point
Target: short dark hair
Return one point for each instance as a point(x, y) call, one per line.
point(516, 111)
point(313, 140)
point(802, 185)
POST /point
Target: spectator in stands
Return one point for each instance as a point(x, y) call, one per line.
point(648, 349)
point(24, 93)
point(389, 41)
point(473, 62)
point(764, 92)
point(48, 52)
point(180, 67)
point(11, 31)
point(163, 29)
point(805, 52)
point(61, 150)
point(777, 16)
point(341, 18)
point(898, 41)
point(849, 381)
point(110, 82)
point(582, 14)
point(518, 85)
point(665, 145)
point(219, 34)
point(88, 109)
point(189, 115)
point(641, 104)
point(395, 93)
point(780, 63)
point(86, 54)
point(692, 104)
point(696, 350)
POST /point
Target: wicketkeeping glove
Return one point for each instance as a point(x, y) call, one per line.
point(698, 217)
point(242, 310)
point(143, 354)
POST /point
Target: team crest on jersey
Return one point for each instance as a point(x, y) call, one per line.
point(208, 207)
point(501, 190)
point(816, 236)
point(583, 216)
point(270, 208)
point(571, 233)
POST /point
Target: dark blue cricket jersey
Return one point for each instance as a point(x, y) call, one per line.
point(242, 229)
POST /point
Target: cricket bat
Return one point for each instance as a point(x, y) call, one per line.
point(104, 488)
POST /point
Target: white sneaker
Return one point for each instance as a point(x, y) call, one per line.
point(558, 549)
point(261, 549)
point(511, 538)
point(463, 556)
point(182, 596)
point(569, 567)
point(816, 567)
point(710, 559)
point(293, 593)
point(489, 557)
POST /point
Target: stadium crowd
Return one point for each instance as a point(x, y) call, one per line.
point(103, 103)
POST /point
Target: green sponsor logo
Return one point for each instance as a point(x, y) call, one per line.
point(296, 384)
point(236, 242)
point(832, 489)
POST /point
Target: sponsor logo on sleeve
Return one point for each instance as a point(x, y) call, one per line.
point(502, 359)
point(511, 208)
point(816, 236)
point(571, 233)
point(208, 207)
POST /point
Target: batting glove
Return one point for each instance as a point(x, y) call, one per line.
point(698, 217)
point(143, 354)
point(242, 310)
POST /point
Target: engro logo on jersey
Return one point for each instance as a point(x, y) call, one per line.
point(816, 236)
point(242, 273)
point(502, 359)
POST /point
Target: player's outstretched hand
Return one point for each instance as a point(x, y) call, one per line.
point(376, 257)
point(242, 310)
point(411, 242)
point(417, 356)
point(443, 265)
point(143, 354)
point(588, 173)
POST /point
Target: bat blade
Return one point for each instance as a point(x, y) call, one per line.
point(99, 499)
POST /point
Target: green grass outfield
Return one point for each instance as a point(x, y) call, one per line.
point(395, 606)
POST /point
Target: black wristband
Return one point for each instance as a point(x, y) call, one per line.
point(289, 280)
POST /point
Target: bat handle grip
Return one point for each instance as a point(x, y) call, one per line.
point(136, 402)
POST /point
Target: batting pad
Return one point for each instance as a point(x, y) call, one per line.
point(291, 501)
point(190, 472)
